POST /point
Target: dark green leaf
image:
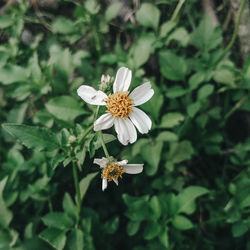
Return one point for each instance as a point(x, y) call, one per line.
point(182, 223)
point(33, 137)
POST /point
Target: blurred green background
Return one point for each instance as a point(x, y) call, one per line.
point(194, 192)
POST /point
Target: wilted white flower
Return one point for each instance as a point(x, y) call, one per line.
point(111, 171)
point(121, 106)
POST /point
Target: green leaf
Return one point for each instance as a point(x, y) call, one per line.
point(152, 155)
point(196, 79)
point(180, 151)
point(156, 207)
point(171, 120)
point(5, 214)
point(106, 137)
point(69, 207)
point(182, 223)
point(193, 108)
point(92, 6)
point(205, 91)
point(180, 35)
point(58, 220)
point(148, 15)
point(166, 28)
point(85, 182)
point(111, 226)
point(33, 137)
point(65, 108)
point(167, 136)
point(206, 37)
point(142, 49)
point(186, 198)
point(75, 240)
point(224, 76)
point(55, 237)
point(133, 227)
point(172, 67)
point(239, 228)
point(12, 73)
point(175, 92)
point(163, 237)
point(151, 230)
point(6, 21)
point(63, 26)
point(112, 11)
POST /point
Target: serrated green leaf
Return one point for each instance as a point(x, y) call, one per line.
point(65, 108)
point(69, 207)
point(85, 182)
point(172, 67)
point(58, 220)
point(55, 237)
point(33, 137)
point(75, 240)
point(205, 91)
point(63, 25)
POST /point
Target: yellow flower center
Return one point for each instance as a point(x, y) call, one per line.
point(112, 171)
point(119, 104)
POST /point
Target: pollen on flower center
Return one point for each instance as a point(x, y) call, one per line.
point(112, 171)
point(119, 104)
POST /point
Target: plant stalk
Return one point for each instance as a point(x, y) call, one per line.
point(103, 145)
point(77, 188)
point(177, 10)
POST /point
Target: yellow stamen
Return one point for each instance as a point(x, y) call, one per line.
point(119, 104)
point(112, 171)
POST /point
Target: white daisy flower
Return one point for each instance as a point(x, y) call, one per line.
point(111, 171)
point(121, 106)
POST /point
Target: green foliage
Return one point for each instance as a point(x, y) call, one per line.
point(194, 189)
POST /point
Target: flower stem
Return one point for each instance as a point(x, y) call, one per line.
point(77, 188)
point(103, 145)
point(96, 112)
point(86, 132)
point(236, 29)
point(177, 10)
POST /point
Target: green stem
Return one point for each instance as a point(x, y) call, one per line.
point(236, 106)
point(177, 10)
point(103, 145)
point(236, 29)
point(77, 188)
point(86, 132)
point(96, 112)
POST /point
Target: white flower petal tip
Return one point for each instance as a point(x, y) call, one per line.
point(142, 93)
point(104, 184)
point(91, 96)
point(122, 79)
point(140, 120)
point(105, 121)
point(125, 130)
point(133, 168)
point(101, 162)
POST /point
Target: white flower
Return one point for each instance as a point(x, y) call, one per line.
point(114, 170)
point(121, 106)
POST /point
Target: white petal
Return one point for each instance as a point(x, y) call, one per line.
point(104, 184)
point(104, 122)
point(91, 96)
point(140, 120)
point(101, 162)
point(125, 130)
point(121, 163)
point(115, 181)
point(133, 168)
point(122, 80)
point(142, 94)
